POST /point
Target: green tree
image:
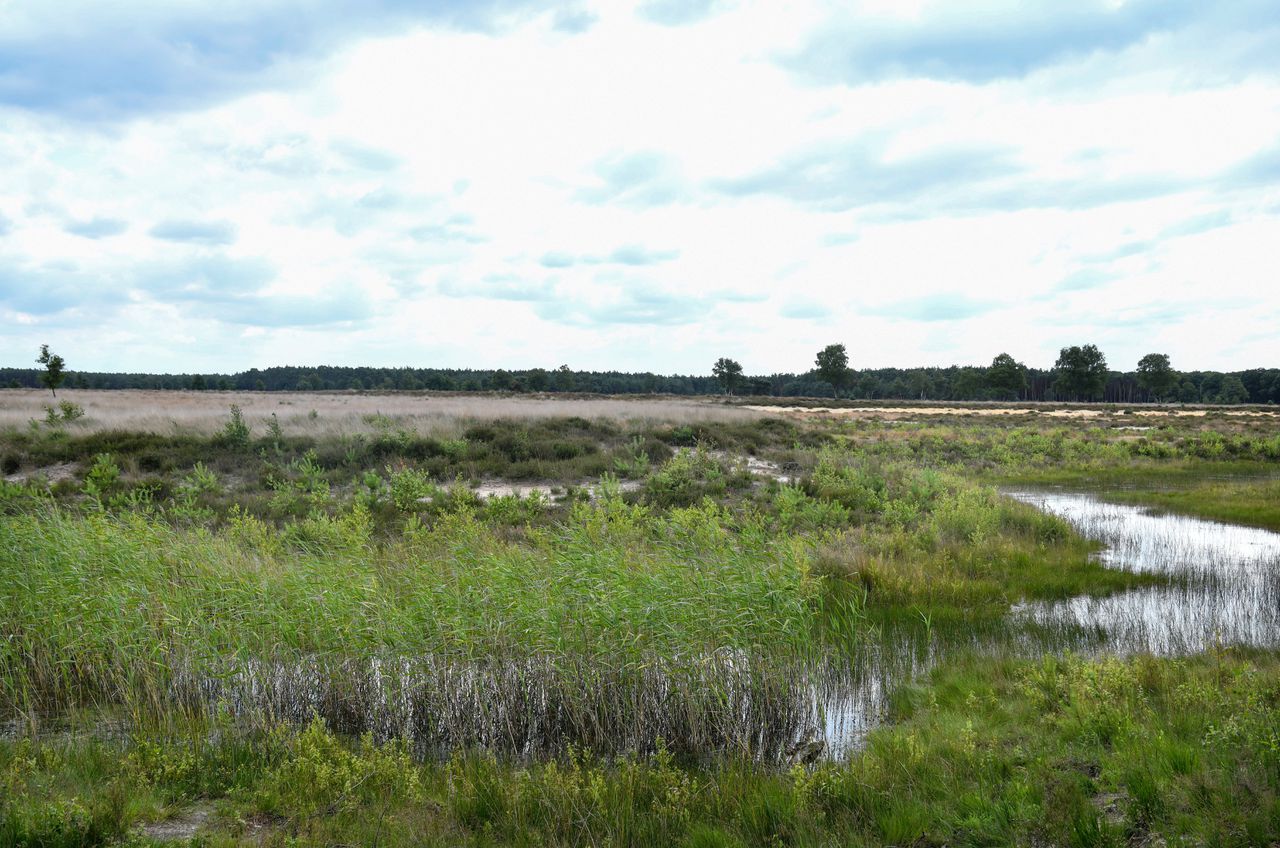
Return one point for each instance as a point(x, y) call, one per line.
point(1082, 373)
point(833, 367)
point(1156, 375)
point(53, 368)
point(1007, 377)
point(1231, 390)
point(728, 372)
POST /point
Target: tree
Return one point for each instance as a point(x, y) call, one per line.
point(728, 372)
point(833, 367)
point(1007, 377)
point(53, 366)
point(1082, 373)
point(1231, 390)
point(1156, 375)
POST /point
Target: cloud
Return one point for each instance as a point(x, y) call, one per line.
point(96, 228)
point(573, 21)
point(839, 177)
point(456, 228)
point(675, 12)
point(997, 40)
point(636, 304)
point(6, 226)
point(1150, 317)
point(558, 259)
point(804, 310)
point(205, 278)
point(499, 287)
point(232, 290)
point(627, 254)
point(634, 254)
point(53, 287)
point(209, 233)
point(346, 306)
point(1084, 279)
point(1261, 169)
point(95, 61)
point(365, 157)
point(1199, 224)
point(355, 212)
point(641, 179)
point(947, 306)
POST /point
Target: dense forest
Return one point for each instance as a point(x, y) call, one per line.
point(1258, 385)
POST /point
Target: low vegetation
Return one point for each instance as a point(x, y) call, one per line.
point(299, 638)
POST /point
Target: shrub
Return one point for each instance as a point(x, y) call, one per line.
point(235, 433)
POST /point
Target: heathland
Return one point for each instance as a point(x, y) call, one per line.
point(319, 619)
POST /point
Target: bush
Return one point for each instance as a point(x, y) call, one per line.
point(235, 433)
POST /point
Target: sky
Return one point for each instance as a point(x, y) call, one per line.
point(198, 186)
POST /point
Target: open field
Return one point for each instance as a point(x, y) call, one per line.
point(524, 621)
point(336, 413)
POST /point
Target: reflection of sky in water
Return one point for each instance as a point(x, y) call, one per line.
point(1227, 579)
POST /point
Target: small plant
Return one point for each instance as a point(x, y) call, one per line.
point(275, 434)
point(103, 478)
point(64, 412)
point(634, 462)
point(236, 432)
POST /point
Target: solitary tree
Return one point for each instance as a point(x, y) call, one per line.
point(53, 366)
point(1007, 377)
point(728, 372)
point(1156, 375)
point(1082, 373)
point(833, 367)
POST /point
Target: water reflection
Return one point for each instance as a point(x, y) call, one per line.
point(1225, 580)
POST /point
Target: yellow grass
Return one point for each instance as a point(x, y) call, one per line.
point(168, 412)
point(1054, 412)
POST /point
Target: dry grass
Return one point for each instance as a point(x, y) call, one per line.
point(1049, 411)
point(167, 412)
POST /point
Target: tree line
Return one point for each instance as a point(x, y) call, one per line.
point(1080, 373)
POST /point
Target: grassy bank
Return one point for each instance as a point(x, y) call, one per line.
point(1255, 503)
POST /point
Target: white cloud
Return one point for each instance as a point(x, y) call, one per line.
point(619, 187)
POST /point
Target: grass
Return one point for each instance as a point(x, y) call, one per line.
point(1255, 503)
point(332, 414)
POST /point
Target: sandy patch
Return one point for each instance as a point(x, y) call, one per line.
point(51, 473)
point(878, 412)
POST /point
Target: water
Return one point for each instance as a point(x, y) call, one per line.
point(1222, 588)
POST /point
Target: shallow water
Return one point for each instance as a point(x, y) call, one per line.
point(1224, 589)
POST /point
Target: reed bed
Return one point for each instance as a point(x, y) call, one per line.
point(608, 631)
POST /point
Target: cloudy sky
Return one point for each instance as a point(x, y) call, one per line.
point(192, 185)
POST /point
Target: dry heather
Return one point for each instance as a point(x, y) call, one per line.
point(325, 414)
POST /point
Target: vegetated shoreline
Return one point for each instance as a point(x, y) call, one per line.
point(320, 544)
